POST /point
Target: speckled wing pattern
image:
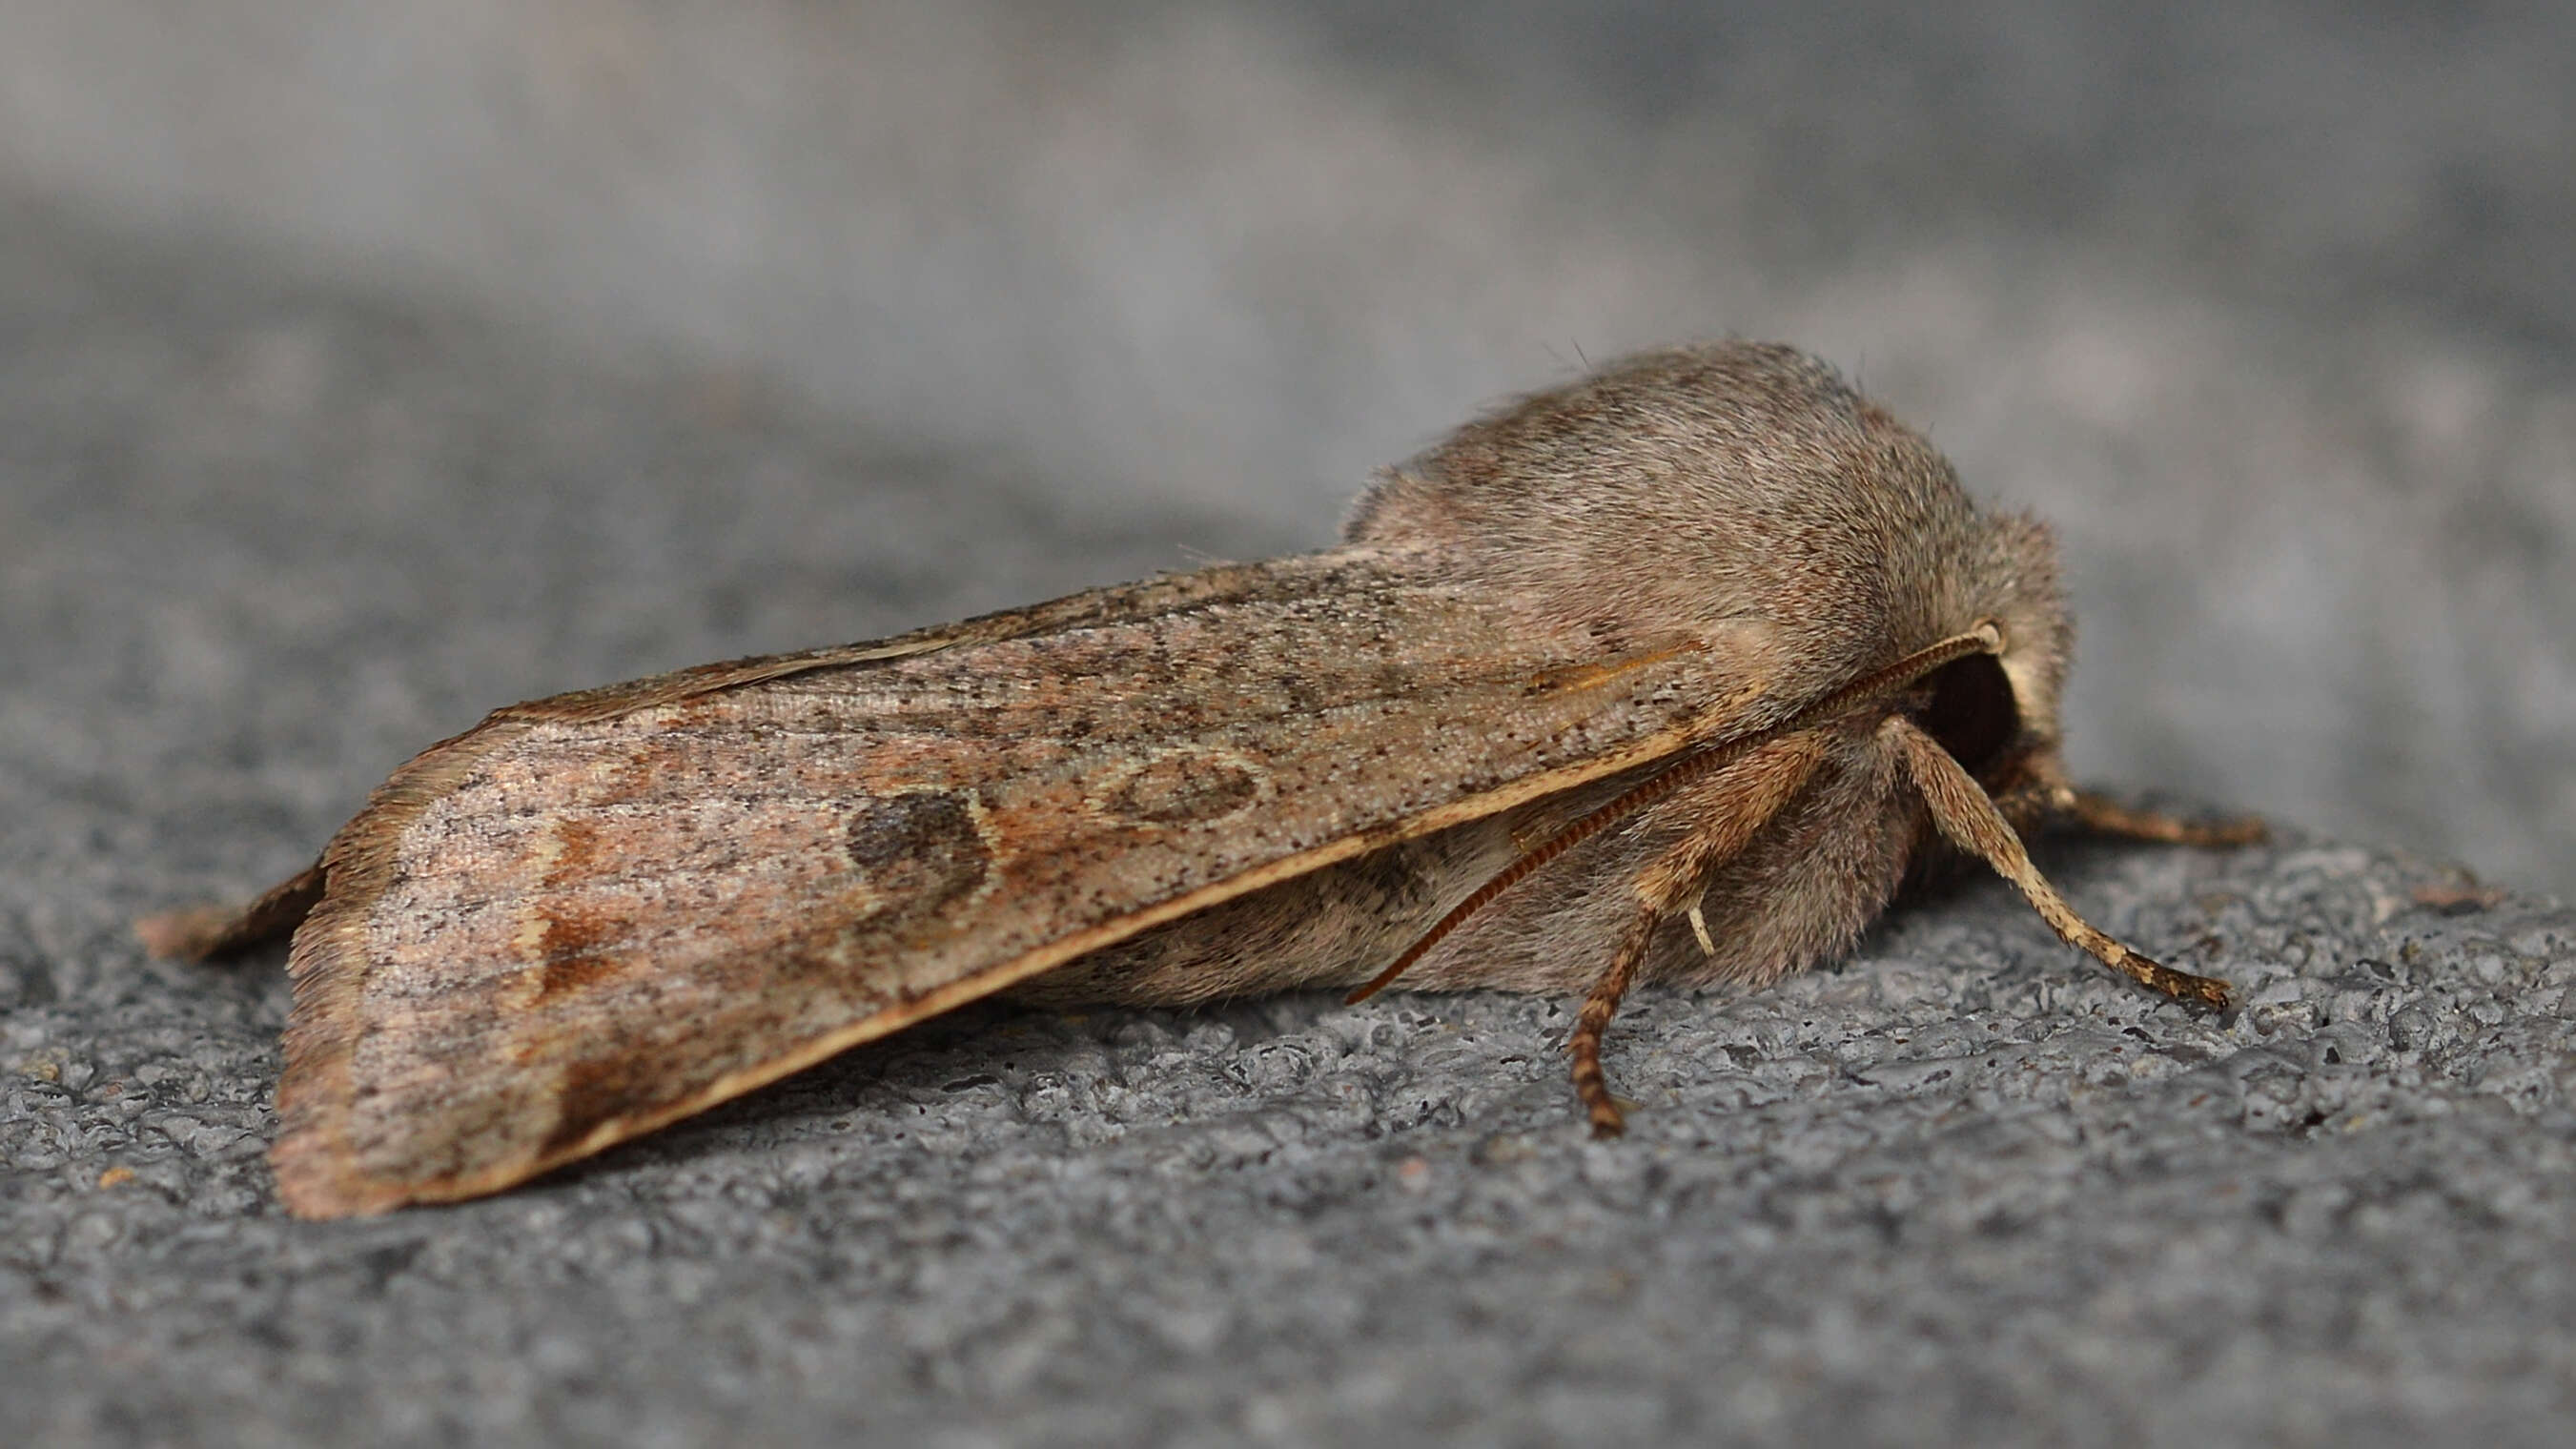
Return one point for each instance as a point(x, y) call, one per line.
point(594, 914)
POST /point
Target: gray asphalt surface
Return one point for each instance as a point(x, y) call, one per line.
point(281, 501)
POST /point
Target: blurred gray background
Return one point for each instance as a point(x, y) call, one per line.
point(2267, 306)
point(363, 366)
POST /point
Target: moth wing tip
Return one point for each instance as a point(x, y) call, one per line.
point(319, 1180)
point(317, 1187)
point(187, 934)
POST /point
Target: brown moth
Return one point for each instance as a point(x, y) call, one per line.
point(1668, 675)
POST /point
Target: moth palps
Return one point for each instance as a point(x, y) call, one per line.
point(1668, 675)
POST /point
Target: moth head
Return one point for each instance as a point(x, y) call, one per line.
point(1997, 712)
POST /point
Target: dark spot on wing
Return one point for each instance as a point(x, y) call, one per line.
point(920, 851)
point(573, 954)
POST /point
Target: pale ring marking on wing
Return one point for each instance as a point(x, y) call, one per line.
point(1181, 785)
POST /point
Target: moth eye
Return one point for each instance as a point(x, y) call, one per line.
point(1972, 712)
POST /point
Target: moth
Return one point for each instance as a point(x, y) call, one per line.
point(1672, 674)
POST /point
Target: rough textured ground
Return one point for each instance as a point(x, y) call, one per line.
point(334, 411)
point(1961, 1190)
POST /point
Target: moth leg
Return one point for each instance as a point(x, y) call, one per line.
point(2034, 803)
point(2043, 797)
point(1584, 1046)
point(1738, 802)
point(1962, 811)
point(2105, 816)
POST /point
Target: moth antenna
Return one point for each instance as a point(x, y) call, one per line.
point(1635, 798)
point(1986, 638)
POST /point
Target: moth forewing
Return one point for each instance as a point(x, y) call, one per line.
point(577, 923)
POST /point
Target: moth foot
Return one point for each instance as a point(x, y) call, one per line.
point(2201, 992)
point(1607, 1120)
